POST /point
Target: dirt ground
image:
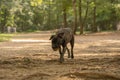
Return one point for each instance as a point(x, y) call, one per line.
point(30, 57)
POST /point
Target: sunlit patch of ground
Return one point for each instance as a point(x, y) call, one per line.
point(29, 40)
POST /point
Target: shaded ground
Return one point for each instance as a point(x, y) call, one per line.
point(29, 57)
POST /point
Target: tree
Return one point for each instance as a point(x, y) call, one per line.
point(94, 28)
point(75, 16)
point(65, 7)
point(82, 21)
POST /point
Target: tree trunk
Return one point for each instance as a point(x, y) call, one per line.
point(75, 16)
point(85, 15)
point(49, 20)
point(114, 17)
point(80, 17)
point(94, 29)
point(64, 18)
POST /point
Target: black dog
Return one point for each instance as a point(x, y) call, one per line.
point(61, 39)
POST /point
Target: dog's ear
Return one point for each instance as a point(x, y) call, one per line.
point(51, 37)
point(60, 35)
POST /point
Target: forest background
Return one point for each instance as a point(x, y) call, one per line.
point(80, 15)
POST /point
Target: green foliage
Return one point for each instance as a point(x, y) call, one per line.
point(30, 15)
point(35, 2)
point(5, 37)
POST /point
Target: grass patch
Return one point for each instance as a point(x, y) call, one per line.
point(5, 37)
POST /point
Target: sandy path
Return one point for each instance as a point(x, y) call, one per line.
point(30, 57)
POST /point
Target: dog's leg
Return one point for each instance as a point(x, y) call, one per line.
point(72, 45)
point(62, 53)
point(68, 52)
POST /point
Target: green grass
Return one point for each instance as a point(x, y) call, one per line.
point(5, 37)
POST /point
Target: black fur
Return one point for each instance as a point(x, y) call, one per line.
point(61, 39)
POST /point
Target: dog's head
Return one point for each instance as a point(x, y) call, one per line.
point(56, 40)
